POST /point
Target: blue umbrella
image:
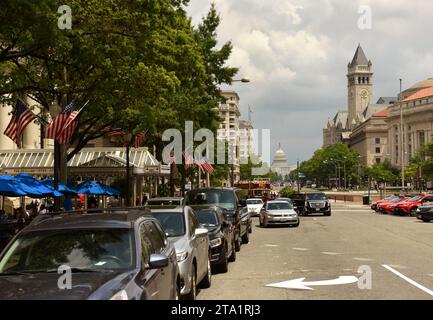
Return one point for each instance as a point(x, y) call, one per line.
point(21, 188)
point(10, 188)
point(62, 188)
point(36, 189)
point(96, 188)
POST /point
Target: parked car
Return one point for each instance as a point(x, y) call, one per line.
point(116, 255)
point(311, 202)
point(226, 198)
point(254, 205)
point(425, 212)
point(165, 201)
point(409, 206)
point(388, 206)
point(220, 235)
point(278, 212)
point(192, 245)
point(388, 198)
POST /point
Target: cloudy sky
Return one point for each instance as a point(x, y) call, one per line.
point(296, 53)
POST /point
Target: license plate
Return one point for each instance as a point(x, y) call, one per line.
point(317, 209)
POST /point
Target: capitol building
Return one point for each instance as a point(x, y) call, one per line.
point(280, 165)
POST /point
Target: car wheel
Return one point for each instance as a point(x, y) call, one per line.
point(238, 242)
point(193, 292)
point(296, 224)
point(233, 255)
point(250, 229)
point(413, 212)
point(207, 280)
point(327, 214)
point(425, 220)
point(246, 237)
point(223, 266)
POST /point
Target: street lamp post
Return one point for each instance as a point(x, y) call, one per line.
point(128, 139)
point(244, 80)
point(402, 140)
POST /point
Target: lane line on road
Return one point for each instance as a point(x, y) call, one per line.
point(363, 259)
point(301, 249)
point(416, 284)
point(331, 253)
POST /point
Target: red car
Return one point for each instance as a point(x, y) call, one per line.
point(386, 206)
point(409, 207)
point(376, 203)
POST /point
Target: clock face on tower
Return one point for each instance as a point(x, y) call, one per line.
point(365, 99)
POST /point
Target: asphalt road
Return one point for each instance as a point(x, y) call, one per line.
point(325, 248)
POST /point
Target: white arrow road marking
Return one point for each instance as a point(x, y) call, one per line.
point(299, 283)
point(426, 290)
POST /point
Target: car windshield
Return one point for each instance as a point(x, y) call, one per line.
point(207, 218)
point(163, 202)
point(254, 201)
point(46, 251)
point(396, 200)
point(413, 199)
point(222, 198)
point(316, 196)
point(172, 222)
point(279, 206)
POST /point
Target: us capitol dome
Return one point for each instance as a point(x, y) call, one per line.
point(280, 164)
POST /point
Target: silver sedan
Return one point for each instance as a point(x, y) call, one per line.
point(278, 212)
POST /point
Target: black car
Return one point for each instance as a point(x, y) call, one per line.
point(220, 236)
point(227, 199)
point(425, 212)
point(119, 255)
point(311, 202)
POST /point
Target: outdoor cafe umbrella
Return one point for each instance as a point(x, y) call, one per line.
point(35, 188)
point(62, 188)
point(96, 188)
point(10, 188)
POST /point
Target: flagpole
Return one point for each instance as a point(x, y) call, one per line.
point(67, 125)
point(208, 179)
point(199, 177)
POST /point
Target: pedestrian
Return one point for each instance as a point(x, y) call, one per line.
point(3, 216)
point(43, 209)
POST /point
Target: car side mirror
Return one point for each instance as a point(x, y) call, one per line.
point(158, 261)
point(201, 232)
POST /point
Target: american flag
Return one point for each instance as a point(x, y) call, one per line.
point(71, 124)
point(116, 132)
point(139, 139)
point(21, 117)
point(59, 122)
point(204, 165)
point(189, 160)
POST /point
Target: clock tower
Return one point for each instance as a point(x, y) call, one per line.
point(359, 84)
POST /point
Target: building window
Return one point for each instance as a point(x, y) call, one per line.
point(421, 136)
point(377, 140)
point(377, 160)
point(377, 149)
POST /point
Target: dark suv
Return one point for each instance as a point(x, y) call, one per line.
point(311, 202)
point(116, 255)
point(227, 199)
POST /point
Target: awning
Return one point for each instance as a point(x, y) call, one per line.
point(100, 161)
